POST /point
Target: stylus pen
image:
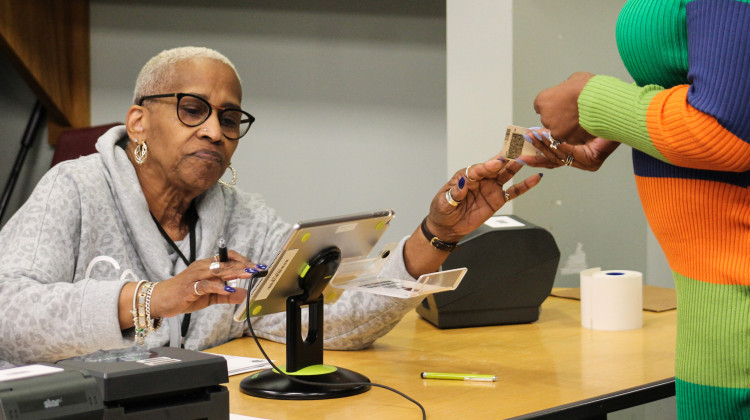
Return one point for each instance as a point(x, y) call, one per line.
point(459, 376)
point(223, 256)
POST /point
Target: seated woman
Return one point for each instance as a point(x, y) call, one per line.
point(151, 201)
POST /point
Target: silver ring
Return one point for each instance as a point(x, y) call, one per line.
point(552, 142)
point(507, 197)
point(214, 266)
point(195, 289)
point(466, 172)
point(216, 257)
point(568, 160)
point(450, 200)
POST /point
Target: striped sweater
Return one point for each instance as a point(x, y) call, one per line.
point(687, 118)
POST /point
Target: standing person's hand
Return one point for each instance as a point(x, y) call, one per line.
point(589, 156)
point(558, 109)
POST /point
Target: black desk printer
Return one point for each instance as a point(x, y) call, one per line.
point(511, 268)
point(44, 391)
point(159, 383)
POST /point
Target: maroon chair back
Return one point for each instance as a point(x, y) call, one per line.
point(78, 142)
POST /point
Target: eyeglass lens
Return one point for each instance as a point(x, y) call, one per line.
point(193, 111)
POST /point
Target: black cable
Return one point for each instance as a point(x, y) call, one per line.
point(253, 279)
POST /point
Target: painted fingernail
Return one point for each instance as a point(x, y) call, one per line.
point(541, 174)
point(528, 138)
point(461, 183)
point(261, 266)
point(538, 136)
point(251, 270)
point(520, 161)
point(546, 134)
point(502, 160)
point(534, 128)
point(230, 289)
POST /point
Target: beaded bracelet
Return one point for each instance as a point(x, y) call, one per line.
point(141, 311)
point(153, 324)
point(140, 334)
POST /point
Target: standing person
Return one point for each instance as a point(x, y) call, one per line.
point(687, 118)
point(119, 246)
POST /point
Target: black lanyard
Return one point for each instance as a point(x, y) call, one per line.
point(192, 218)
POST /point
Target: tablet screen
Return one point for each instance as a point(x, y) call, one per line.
point(355, 235)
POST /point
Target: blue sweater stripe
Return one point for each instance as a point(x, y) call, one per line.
point(719, 57)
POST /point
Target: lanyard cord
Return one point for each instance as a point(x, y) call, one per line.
point(192, 219)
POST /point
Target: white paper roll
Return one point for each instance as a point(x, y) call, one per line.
point(611, 300)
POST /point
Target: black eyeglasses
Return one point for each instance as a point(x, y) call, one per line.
point(193, 111)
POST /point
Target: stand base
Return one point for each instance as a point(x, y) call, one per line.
point(271, 384)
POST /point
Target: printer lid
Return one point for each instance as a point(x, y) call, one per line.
point(136, 372)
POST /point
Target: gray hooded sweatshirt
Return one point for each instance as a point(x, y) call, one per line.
point(86, 230)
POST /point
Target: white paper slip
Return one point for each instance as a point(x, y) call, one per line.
point(240, 364)
point(233, 416)
point(27, 372)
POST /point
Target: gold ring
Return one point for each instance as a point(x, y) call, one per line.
point(568, 160)
point(507, 197)
point(450, 200)
point(466, 172)
point(195, 288)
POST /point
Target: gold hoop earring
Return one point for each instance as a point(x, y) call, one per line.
point(140, 152)
point(234, 178)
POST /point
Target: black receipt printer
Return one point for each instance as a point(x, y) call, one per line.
point(42, 391)
point(158, 383)
point(511, 268)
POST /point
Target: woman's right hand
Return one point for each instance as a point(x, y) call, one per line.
point(588, 156)
point(199, 286)
point(195, 288)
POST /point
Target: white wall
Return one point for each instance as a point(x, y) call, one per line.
point(350, 102)
point(480, 80)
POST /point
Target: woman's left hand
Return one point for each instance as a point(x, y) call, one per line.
point(478, 190)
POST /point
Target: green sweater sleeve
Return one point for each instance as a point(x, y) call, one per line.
point(616, 110)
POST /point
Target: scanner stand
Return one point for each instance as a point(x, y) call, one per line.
point(304, 356)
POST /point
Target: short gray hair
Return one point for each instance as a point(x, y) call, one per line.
point(159, 70)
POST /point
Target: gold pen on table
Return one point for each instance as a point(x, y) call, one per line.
point(459, 376)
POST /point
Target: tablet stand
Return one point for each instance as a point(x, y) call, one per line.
point(304, 356)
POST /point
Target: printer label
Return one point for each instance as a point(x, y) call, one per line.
point(157, 361)
point(499, 222)
point(49, 403)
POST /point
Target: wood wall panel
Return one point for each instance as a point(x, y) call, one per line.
point(48, 43)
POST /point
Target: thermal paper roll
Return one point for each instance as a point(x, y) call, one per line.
point(611, 300)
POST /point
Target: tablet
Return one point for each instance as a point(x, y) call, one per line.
point(355, 235)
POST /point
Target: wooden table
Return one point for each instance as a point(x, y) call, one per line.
point(550, 368)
